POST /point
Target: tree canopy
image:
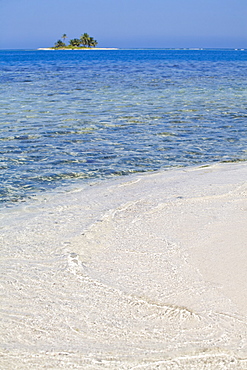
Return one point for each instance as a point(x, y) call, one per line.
point(85, 41)
point(59, 44)
point(75, 42)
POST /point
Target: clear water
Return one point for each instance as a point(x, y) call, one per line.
point(71, 116)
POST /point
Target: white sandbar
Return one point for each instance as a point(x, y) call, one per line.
point(143, 272)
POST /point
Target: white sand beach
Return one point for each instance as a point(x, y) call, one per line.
point(141, 272)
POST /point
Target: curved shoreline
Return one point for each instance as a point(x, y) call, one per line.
point(140, 271)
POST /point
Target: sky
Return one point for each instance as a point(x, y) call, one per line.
point(30, 24)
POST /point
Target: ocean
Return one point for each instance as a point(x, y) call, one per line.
point(79, 116)
point(122, 233)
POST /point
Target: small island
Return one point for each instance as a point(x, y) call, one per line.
point(85, 42)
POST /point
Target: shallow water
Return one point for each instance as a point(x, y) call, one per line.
point(73, 116)
point(104, 276)
point(107, 275)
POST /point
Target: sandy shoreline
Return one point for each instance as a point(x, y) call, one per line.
point(142, 272)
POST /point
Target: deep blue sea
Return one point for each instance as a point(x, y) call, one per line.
point(76, 116)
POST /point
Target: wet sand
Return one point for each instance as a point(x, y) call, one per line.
point(142, 272)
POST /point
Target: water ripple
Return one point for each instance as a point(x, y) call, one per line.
point(73, 117)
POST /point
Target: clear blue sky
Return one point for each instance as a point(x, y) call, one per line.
point(125, 23)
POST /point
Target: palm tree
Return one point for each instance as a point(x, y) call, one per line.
point(92, 42)
point(84, 39)
point(75, 42)
point(64, 37)
point(59, 44)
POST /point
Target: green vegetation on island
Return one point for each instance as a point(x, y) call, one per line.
point(84, 42)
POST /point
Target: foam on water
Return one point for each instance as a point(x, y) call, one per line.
point(102, 276)
point(123, 273)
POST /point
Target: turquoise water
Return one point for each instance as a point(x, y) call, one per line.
point(74, 116)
